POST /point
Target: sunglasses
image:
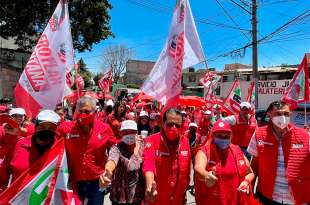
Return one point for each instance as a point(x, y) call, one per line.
point(171, 124)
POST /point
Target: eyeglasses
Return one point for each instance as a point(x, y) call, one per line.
point(171, 124)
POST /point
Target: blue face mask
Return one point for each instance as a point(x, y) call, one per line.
point(222, 143)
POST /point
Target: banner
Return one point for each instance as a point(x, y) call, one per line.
point(251, 95)
point(298, 89)
point(233, 100)
point(45, 182)
point(42, 84)
point(182, 50)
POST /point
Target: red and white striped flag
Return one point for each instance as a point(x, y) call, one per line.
point(45, 182)
point(105, 82)
point(79, 82)
point(210, 82)
point(43, 81)
point(233, 100)
point(182, 50)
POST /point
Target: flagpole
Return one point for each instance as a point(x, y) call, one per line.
point(305, 112)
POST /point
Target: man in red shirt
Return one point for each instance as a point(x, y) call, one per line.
point(167, 161)
point(28, 150)
point(87, 141)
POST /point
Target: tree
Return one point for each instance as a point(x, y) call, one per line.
point(85, 73)
point(25, 21)
point(116, 57)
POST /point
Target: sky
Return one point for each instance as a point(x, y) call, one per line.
point(143, 26)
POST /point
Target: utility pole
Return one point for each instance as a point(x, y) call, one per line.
point(254, 51)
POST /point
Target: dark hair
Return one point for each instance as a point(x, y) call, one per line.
point(116, 106)
point(171, 111)
point(276, 105)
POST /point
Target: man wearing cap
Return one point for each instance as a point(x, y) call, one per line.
point(143, 123)
point(194, 137)
point(205, 124)
point(185, 121)
point(123, 167)
point(30, 149)
point(167, 160)
point(87, 140)
point(243, 126)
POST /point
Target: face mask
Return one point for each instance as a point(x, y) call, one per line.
point(222, 143)
point(129, 139)
point(281, 121)
point(45, 135)
point(172, 133)
point(86, 119)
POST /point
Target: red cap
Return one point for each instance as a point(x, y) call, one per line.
point(221, 125)
point(3, 108)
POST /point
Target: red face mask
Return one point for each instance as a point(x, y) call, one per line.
point(172, 133)
point(86, 119)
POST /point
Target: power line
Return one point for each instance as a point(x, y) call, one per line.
point(232, 19)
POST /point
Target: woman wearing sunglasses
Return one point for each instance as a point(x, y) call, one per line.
point(222, 173)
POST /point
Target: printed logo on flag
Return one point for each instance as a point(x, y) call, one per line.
point(62, 53)
point(53, 22)
point(173, 46)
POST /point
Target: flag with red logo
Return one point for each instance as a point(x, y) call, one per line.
point(45, 182)
point(43, 81)
point(233, 100)
point(298, 89)
point(210, 82)
point(105, 82)
point(182, 50)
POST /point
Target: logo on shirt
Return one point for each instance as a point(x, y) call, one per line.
point(241, 162)
point(261, 143)
point(297, 146)
point(99, 137)
point(68, 136)
point(184, 153)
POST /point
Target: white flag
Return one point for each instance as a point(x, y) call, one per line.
point(43, 81)
point(182, 50)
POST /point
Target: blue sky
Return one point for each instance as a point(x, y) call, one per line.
point(143, 25)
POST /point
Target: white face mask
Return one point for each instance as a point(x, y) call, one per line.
point(281, 121)
point(129, 139)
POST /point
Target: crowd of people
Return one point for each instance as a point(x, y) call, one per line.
point(145, 155)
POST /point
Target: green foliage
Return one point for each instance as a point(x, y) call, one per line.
point(134, 86)
point(26, 20)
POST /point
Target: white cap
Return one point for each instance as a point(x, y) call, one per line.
point(183, 112)
point(17, 111)
point(245, 104)
point(208, 112)
point(110, 103)
point(143, 114)
point(193, 125)
point(129, 125)
point(48, 116)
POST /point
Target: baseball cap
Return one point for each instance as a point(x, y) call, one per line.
point(17, 111)
point(207, 112)
point(245, 104)
point(183, 112)
point(48, 116)
point(143, 114)
point(129, 125)
point(193, 125)
point(221, 125)
point(110, 103)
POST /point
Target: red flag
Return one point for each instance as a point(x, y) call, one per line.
point(233, 100)
point(106, 81)
point(79, 82)
point(298, 89)
point(45, 182)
